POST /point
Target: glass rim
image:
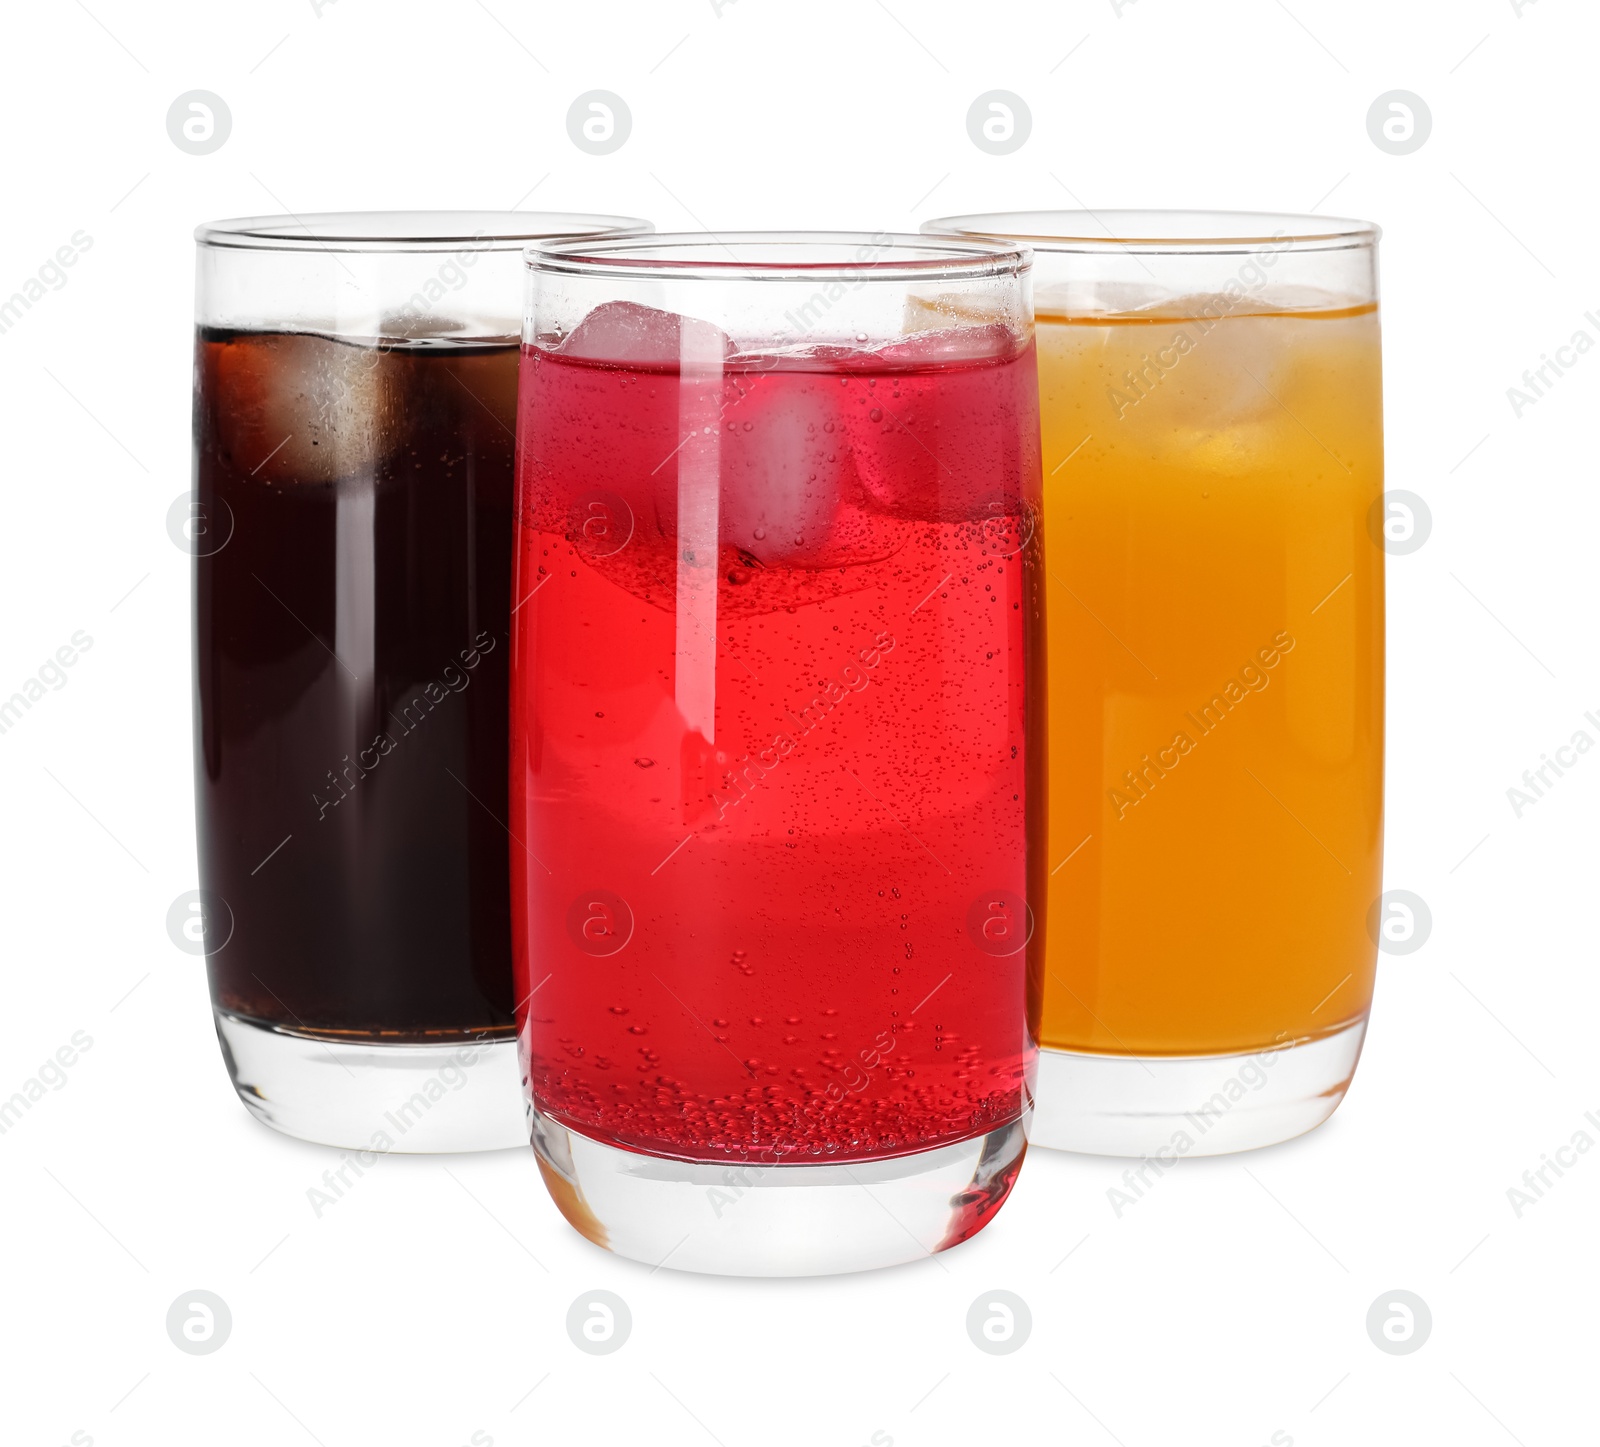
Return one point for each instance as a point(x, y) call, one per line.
point(409, 231)
point(737, 256)
point(1163, 232)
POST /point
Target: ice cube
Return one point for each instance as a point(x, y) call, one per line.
point(640, 336)
point(790, 493)
point(1231, 372)
point(293, 407)
point(942, 433)
point(425, 326)
point(897, 428)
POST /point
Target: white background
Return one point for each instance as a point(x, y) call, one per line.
point(1229, 1304)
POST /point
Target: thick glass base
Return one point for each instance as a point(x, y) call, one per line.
point(781, 1220)
point(1190, 1105)
point(463, 1095)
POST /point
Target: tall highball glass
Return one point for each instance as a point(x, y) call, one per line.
point(354, 416)
point(1211, 399)
point(776, 791)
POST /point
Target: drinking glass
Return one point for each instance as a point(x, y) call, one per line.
point(1211, 402)
point(354, 415)
point(776, 793)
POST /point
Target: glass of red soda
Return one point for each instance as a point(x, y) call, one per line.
point(777, 780)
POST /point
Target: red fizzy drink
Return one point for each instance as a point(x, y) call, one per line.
point(776, 794)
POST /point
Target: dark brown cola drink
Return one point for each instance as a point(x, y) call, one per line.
point(351, 667)
point(351, 525)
